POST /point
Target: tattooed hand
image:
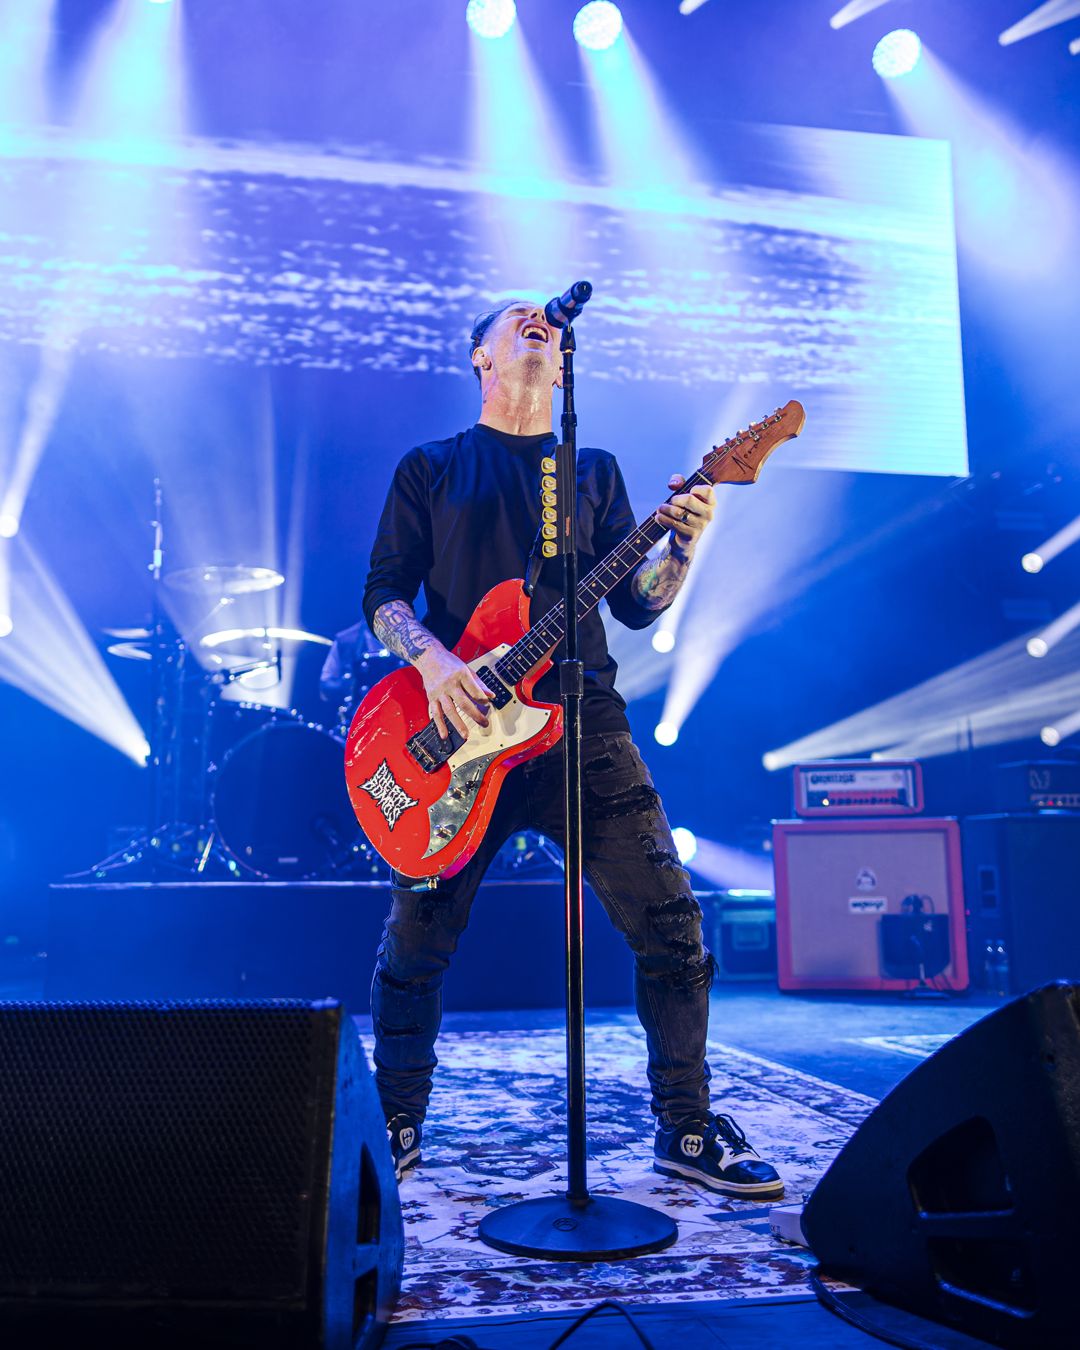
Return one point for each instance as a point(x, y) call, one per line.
point(453, 691)
point(687, 513)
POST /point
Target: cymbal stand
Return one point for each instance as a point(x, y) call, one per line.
point(144, 857)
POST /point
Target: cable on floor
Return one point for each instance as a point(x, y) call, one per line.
point(608, 1305)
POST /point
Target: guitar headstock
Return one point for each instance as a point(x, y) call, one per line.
point(739, 460)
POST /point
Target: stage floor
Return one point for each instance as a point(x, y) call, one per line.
point(798, 1071)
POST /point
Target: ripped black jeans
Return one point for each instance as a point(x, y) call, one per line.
point(631, 863)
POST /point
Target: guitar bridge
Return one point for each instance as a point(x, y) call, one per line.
point(430, 750)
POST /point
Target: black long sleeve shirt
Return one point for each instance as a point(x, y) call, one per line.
point(461, 516)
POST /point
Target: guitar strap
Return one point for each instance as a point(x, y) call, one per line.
point(534, 562)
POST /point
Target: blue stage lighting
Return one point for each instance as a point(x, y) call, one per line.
point(491, 18)
point(666, 733)
point(685, 843)
point(897, 53)
point(597, 25)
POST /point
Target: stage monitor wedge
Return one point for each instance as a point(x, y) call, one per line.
point(958, 1198)
point(201, 1173)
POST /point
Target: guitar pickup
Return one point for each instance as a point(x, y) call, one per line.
point(501, 696)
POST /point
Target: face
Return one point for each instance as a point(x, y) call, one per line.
point(521, 346)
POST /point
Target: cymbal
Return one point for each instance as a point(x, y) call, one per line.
point(230, 636)
point(128, 634)
point(224, 579)
point(130, 651)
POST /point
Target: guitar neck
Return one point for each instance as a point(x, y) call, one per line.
point(549, 631)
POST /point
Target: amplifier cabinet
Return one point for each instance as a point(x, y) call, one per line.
point(1022, 875)
point(836, 880)
point(740, 929)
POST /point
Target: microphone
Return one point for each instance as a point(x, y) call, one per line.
point(564, 309)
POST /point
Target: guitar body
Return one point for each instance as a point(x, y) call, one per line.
point(430, 823)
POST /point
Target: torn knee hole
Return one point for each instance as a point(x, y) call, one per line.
point(633, 801)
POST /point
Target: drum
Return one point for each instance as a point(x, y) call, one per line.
point(281, 808)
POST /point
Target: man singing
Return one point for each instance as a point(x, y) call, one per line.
point(459, 518)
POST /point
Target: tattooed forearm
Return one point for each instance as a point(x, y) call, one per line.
point(400, 631)
point(657, 581)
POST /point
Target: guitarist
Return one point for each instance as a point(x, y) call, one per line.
point(457, 520)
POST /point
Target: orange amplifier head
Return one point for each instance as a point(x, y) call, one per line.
point(858, 787)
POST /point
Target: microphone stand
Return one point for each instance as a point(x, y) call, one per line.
point(576, 1226)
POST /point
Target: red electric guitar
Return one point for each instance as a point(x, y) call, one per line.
point(423, 802)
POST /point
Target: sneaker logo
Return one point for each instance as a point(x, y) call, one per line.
point(407, 1138)
point(691, 1145)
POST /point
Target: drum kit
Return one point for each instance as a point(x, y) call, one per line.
point(239, 790)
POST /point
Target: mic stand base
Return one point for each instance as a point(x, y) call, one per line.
point(601, 1228)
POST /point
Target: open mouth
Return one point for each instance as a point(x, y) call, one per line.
point(535, 330)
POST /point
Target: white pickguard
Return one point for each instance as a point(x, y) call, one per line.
point(507, 726)
point(511, 725)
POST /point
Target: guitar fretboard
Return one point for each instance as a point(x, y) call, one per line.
point(549, 631)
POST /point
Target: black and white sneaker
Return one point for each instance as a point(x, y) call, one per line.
point(404, 1134)
point(714, 1152)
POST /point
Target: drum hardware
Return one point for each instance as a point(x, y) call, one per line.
point(224, 579)
point(154, 852)
point(131, 651)
point(252, 792)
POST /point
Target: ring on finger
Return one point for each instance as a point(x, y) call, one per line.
point(685, 515)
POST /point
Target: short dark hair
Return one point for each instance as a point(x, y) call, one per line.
point(482, 323)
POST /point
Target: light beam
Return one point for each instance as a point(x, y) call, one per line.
point(50, 656)
point(1038, 558)
point(854, 9)
point(999, 696)
point(1046, 16)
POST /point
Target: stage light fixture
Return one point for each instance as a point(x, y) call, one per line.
point(1061, 730)
point(1031, 562)
point(1074, 47)
point(9, 525)
point(689, 6)
point(685, 843)
point(1052, 634)
point(666, 733)
point(897, 54)
point(6, 625)
point(663, 640)
point(597, 25)
point(491, 18)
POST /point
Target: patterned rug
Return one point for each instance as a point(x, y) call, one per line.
point(918, 1046)
point(496, 1133)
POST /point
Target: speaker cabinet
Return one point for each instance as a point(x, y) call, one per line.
point(1022, 875)
point(958, 1197)
point(182, 1173)
point(842, 889)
